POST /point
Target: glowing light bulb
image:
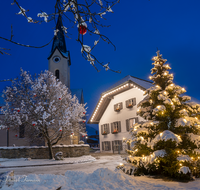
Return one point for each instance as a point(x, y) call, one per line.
point(180, 164)
point(165, 73)
point(183, 89)
point(161, 134)
point(121, 164)
point(150, 77)
point(136, 150)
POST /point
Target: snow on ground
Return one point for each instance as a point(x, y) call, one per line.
point(96, 175)
point(39, 162)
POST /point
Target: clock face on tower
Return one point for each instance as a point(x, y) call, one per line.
point(56, 59)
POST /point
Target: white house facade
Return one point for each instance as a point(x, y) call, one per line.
point(116, 112)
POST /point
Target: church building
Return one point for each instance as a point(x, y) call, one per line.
point(59, 63)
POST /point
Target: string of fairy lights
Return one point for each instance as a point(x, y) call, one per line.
point(109, 93)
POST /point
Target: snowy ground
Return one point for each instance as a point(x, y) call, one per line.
point(97, 174)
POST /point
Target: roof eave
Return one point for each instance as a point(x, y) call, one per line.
point(118, 89)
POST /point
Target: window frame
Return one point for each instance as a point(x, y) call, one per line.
point(118, 106)
point(128, 122)
point(130, 102)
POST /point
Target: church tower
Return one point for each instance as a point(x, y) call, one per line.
point(59, 59)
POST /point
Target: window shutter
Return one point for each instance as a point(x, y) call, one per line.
point(109, 148)
point(127, 103)
point(102, 145)
point(136, 120)
point(121, 106)
point(112, 145)
point(119, 126)
point(111, 127)
point(101, 129)
point(108, 129)
point(120, 144)
point(115, 106)
point(134, 101)
point(127, 125)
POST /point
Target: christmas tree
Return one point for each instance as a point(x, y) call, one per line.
point(167, 142)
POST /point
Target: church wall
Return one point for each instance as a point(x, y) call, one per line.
point(62, 66)
point(110, 116)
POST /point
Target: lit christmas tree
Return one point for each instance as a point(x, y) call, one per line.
point(167, 143)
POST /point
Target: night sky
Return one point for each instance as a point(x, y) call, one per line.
point(138, 28)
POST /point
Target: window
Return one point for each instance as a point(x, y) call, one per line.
point(118, 107)
point(130, 103)
point(117, 145)
point(130, 122)
point(21, 131)
point(116, 127)
point(57, 73)
point(106, 145)
point(105, 129)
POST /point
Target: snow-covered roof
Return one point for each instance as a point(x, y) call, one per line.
point(122, 85)
point(140, 82)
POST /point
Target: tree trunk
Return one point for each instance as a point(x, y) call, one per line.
point(50, 150)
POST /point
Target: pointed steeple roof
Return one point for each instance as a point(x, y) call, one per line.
point(59, 39)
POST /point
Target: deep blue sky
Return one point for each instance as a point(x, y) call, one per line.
point(138, 28)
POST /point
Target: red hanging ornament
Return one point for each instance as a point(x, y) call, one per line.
point(83, 112)
point(83, 121)
point(82, 29)
point(8, 128)
point(59, 98)
point(82, 136)
point(18, 111)
point(33, 124)
point(16, 135)
point(0, 107)
point(35, 95)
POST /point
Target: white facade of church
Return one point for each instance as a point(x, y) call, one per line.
point(60, 67)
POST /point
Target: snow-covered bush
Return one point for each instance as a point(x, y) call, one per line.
point(168, 142)
point(81, 142)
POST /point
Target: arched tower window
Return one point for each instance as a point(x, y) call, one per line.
point(57, 74)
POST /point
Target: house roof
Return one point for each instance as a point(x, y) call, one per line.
point(122, 85)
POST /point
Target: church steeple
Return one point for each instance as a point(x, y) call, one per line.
point(59, 39)
point(59, 58)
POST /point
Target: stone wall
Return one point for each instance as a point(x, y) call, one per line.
point(41, 152)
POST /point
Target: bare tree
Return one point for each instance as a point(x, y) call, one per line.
point(45, 106)
point(86, 15)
